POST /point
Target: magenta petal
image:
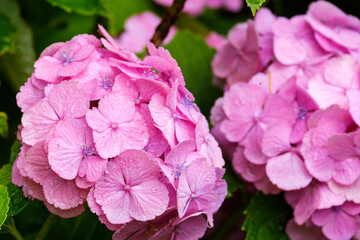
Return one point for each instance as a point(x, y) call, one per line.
point(68, 213)
point(36, 163)
point(276, 140)
point(288, 172)
point(225, 61)
point(191, 229)
point(350, 192)
point(319, 164)
point(62, 193)
point(302, 232)
point(347, 171)
point(341, 146)
point(335, 224)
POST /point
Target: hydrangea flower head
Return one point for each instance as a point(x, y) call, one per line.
point(123, 134)
point(292, 124)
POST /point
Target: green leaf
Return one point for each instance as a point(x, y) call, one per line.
point(14, 151)
point(85, 7)
point(254, 5)
point(7, 35)
point(18, 66)
point(120, 10)
point(194, 58)
point(267, 216)
point(62, 28)
point(4, 129)
point(232, 180)
point(17, 200)
point(4, 204)
point(5, 174)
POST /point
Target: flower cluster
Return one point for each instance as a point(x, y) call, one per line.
point(289, 119)
point(123, 134)
point(139, 29)
point(196, 7)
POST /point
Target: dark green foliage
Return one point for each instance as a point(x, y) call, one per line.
point(266, 217)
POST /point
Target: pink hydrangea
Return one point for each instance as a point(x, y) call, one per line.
point(289, 118)
point(139, 29)
point(123, 134)
point(196, 7)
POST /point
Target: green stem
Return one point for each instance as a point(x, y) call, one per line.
point(46, 227)
point(16, 233)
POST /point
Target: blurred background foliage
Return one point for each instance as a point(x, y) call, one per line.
point(27, 27)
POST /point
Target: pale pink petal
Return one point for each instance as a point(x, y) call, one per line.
point(150, 200)
point(38, 121)
point(162, 117)
point(325, 94)
point(93, 167)
point(250, 172)
point(68, 100)
point(62, 193)
point(46, 69)
point(97, 121)
point(353, 95)
point(36, 163)
point(28, 96)
point(340, 71)
point(66, 148)
point(288, 172)
point(301, 232)
point(276, 140)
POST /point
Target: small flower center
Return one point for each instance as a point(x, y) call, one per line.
point(302, 112)
point(87, 150)
point(335, 208)
point(106, 82)
point(126, 187)
point(67, 57)
point(150, 73)
point(186, 101)
point(114, 126)
point(178, 170)
point(192, 195)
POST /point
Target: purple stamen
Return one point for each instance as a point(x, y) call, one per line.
point(87, 150)
point(106, 82)
point(336, 208)
point(302, 112)
point(186, 101)
point(67, 57)
point(150, 73)
point(178, 170)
